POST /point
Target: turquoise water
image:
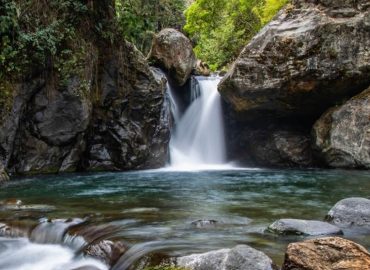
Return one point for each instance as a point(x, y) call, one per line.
point(161, 205)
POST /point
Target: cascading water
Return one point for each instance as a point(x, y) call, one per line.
point(48, 247)
point(198, 138)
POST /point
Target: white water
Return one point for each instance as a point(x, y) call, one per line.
point(21, 254)
point(198, 141)
point(48, 248)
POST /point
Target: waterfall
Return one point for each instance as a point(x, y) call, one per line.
point(198, 138)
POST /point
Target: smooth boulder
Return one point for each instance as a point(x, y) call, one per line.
point(173, 51)
point(312, 55)
point(351, 212)
point(303, 227)
point(331, 253)
point(241, 257)
point(342, 135)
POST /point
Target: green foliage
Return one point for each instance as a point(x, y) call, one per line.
point(269, 9)
point(221, 28)
point(140, 19)
point(8, 31)
point(35, 34)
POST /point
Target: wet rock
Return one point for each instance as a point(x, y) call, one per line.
point(351, 212)
point(326, 254)
point(303, 227)
point(106, 251)
point(13, 231)
point(200, 224)
point(173, 51)
point(312, 55)
point(342, 134)
point(238, 258)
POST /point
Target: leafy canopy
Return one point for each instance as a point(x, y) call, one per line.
point(220, 28)
point(140, 19)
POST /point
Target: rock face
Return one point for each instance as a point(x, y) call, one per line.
point(342, 134)
point(238, 258)
point(269, 144)
point(326, 254)
point(351, 212)
point(312, 55)
point(128, 130)
point(109, 118)
point(281, 148)
point(303, 227)
point(91, 105)
point(173, 51)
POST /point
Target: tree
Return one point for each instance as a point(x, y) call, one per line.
point(140, 19)
point(221, 28)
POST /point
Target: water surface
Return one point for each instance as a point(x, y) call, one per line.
point(161, 205)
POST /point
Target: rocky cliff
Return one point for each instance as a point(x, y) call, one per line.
point(311, 56)
point(107, 113)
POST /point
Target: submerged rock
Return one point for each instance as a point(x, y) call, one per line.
point(173, 51)
point(303, 227)
point(351, 212)
point(331, 253)
point(312, 55)
point(201, 224)
point(106, 251)
point(241, 257)
point(342, 134)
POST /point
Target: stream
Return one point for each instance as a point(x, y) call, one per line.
point(163, 207)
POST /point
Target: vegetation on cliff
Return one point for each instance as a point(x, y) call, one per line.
point(38, 35)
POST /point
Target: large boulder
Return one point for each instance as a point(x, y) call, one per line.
point(173, 51)
point(311, 56)
point(341, 135)
point(240, 257)
point(303, 227)
point(331, 253)
point(351, 212)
